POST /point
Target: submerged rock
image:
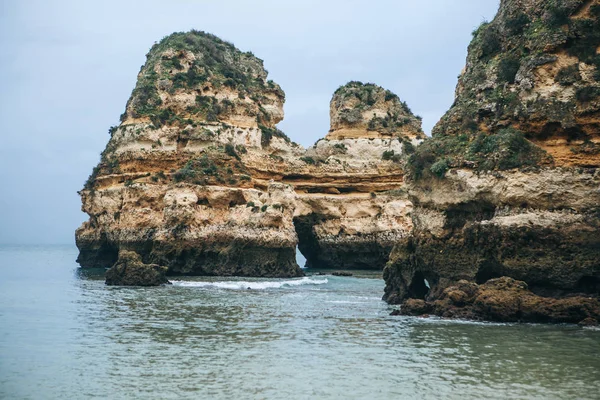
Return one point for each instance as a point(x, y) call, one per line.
point(341, 273)
point(129, 270)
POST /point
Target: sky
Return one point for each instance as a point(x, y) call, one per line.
point(68, 67)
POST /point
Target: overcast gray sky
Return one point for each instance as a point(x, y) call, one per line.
point(68, 67)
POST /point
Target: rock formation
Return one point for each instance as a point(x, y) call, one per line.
point(500, 208)
point(504, 300)
point(351, 209)
point(509, 184)
point(172, 183)
point(129, 270)
point(198, 178)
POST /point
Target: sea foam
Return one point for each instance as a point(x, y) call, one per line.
point(255, 285)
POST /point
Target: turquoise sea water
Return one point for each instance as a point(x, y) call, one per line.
point(65, 335)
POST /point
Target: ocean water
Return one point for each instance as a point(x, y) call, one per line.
point(65, 335)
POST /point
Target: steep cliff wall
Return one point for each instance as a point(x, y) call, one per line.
point(198, 178)
point(509, 184)
point(173, 183)
point(353, 211)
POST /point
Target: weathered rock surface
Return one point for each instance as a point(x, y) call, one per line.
point(198, 178)
point(359, 110)
point(535, 68)
point(129, 270)
point(505, 300)
point(509, 185)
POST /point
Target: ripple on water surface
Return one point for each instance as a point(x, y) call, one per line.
point(64, 334)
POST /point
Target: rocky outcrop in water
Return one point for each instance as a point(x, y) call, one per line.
point(504, 300)
point(509, 184)
point(129, 270)
point(173, 183)
point(352, 210)
point(198, 178)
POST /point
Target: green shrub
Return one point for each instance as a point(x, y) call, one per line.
point(268, 133)
point(408, 147)
point(489, 40)
point(584, 36)
point(341, 147)
point(264, 208)
point(587, 93)
point(112, 130)
point(128, 182)
point(568, 75)
point(517, 23)
point(245, 178)
point(504, 150)
point(230, 151)
point(558, 14)
point(250, 204)
point(308, 160)
point(163, 117)
point(508, 68)
point(439, 168)
point(199, 170)
point(389, 155)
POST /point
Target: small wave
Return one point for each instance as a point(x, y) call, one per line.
point(256, 285)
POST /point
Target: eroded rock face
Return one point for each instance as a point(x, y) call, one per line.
point(351, 208)
point(129, 270)
point(535, 68)
point(173, 183)
point(505, 300)
point(360, 110)
point(198, 178)
point(504, 188)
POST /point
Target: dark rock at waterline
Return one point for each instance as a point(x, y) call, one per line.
point(341, 273)
point(129, 270)
point(505, 300)
point(589, 322)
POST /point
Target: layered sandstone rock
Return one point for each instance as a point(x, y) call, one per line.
point(535, 68)
point(359, 110)
point(353, 210)
point(509, 184)
point(198, 178)
point(173, 184)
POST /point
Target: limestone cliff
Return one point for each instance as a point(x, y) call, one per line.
point(534, 68)
point(353, 211)
point(172, 183)
point(509, 184)
point(198, 178)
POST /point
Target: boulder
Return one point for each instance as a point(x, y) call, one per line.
point(129, 270)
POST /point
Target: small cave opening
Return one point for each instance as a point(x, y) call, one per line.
point(589, 284)
point(555, 129)
point(419, 287)
point(308, 245)
point(300, 259)
point(489, 270)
